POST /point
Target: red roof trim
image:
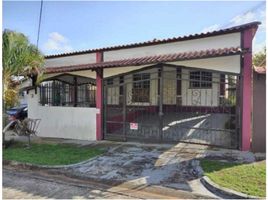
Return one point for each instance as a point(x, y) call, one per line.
point(148, 60)
point(155, 41)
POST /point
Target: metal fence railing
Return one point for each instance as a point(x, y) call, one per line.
point(56, 93)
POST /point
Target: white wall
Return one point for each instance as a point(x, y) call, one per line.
point(71, 60)
point(63, 122)
point(200, 97)
point(225, 63)
point(215, 42)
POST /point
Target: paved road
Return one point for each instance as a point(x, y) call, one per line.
point(19, 184)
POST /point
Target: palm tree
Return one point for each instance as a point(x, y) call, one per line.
point(20, 58)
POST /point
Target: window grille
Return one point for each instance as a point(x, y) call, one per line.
point(200, 79)
point(110, 81)
point(56, 93)
point(141, 88)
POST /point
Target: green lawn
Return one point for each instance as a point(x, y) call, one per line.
point(50, 154)
point(245, 178)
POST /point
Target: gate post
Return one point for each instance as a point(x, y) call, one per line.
point(246, 97)
point(99, 97)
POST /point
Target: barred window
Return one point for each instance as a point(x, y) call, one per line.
point(121, 81)
point(200, 79)
point(57, 93)
point(141, 87)
point(110, 81)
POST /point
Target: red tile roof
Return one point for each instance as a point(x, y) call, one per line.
point(149, 60)
point(174, 39)
point(260, 70)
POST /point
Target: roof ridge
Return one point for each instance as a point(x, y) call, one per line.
point(160, 41)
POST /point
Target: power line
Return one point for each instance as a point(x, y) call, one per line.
point(39, 23)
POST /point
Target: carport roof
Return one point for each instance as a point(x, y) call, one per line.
point(148, 60)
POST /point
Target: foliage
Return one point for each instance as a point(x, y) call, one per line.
point(20, 58)
point(259, 59)
point(50, 154)
point(246, 178)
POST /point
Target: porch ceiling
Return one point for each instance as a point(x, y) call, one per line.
point(210, 53)
point(69, 78)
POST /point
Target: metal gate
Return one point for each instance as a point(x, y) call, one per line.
point(173, 104)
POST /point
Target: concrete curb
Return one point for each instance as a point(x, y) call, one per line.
point(223, 191)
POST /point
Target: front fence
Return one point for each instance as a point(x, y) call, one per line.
point(173, 105)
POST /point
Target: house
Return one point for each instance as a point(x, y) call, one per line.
point(194, 88)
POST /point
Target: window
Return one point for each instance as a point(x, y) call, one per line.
point(141, 88)
point(110, 81)
point(159, 76)
point(56, 93)
point(178, 81)
point(222, 84)
point(121, 89)
point(200, 79)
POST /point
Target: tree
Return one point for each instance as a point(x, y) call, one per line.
point(259, 59)
point(20, 58)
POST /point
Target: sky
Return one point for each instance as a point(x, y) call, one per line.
point(68, 26)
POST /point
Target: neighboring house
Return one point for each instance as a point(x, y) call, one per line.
point(24, 84)
point(259, 110)
point(194, 88)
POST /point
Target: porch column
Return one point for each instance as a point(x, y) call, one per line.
point(75, 91)
point(246, 97)
point(99, 97)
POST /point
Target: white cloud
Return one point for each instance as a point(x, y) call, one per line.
point(244, 18)
point(262, 27)
point(57, 43)
point(211, 28)
point(57, 37)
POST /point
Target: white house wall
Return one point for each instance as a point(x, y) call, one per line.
point(62, 122)
point(200, 97)
point(71, 60)
point(225, 63)
point(84, 73)
point(214, 42)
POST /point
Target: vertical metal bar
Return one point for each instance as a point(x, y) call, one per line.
point(238, 113)
point(75, 91)
point(124, 112)
point(161, 103)
point(104, 109)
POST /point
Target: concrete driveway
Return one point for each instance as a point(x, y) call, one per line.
point(166, 166)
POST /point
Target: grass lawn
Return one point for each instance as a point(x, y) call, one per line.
point(50, 154)
point(245, 178)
